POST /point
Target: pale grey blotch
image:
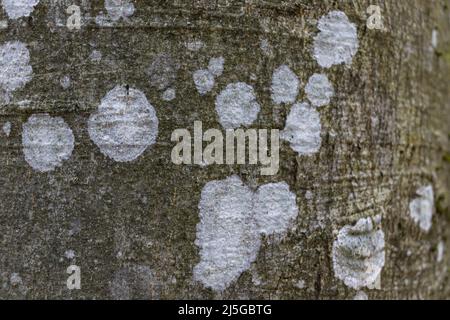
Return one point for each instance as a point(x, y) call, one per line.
point(275, 208)
point(337, 41)
point(169, 94)
point(15, 68)
point(232, 220)
point(47, 142)
point(7, 128)
point(124, 125)
point(237, 106)
point(118, 9)
point(215, 66)
point(285, 85)
point(226, 234)
point(359, 253)
point(16, 9)
point(319, 90)
point(204, 81)
point(303, 129)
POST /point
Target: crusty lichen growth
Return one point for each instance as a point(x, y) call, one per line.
point(383, 135)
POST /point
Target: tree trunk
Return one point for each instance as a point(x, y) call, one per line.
point(364, 188)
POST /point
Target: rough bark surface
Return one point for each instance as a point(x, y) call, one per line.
point(132, 226)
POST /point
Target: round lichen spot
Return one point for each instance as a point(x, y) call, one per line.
point(337, 41)
point(319, 90)
point(15, 68)
point(47, 142)
point(303, 129)
point(125, 124)
point(236, 106)
point(285, 85)
point(16, 9)
point(359, 254)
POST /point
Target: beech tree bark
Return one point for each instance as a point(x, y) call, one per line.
point(131, 227)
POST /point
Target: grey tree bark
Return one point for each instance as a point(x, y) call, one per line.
point(131, 227)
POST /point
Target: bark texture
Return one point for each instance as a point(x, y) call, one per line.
point(132, 226)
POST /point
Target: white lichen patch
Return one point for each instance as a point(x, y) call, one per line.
point(226, 235)
point(236, 106)
point(15, 68)
point(285, 85)
point(421, 209)
point(266, 47)
point(303, 129)
point(194, 45)
point(319, 90)
point(204, 81)
point(337, 41)
point(47, 142)
point(359, 253)
point(361, 296)
point(16, 9)
point(65, 82)
point(125, 124)
point(95, 56)
point(118, 9)
point(169, 94)
point(134, 282)
point(216, 66)
point(7, 128)
point(275, 208)
point(232, 219)
point(69, 254)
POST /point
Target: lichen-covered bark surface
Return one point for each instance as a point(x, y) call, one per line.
point(132, 226)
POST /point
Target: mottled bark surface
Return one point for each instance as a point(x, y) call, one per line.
point(132, 226)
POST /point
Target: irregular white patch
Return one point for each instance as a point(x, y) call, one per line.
point(19, 8)
point(303, 129)
point(169, 94)
point(361, 295)
point(337, 41)
point(300, 284)
point(204, 81)
point(7, 128)
point(195, 45)
point(319, 90)
point(226, 235)
point(358, 253)
point(285, 85)
point(65, 82)
point(266, 47)
point(69, 254)
point(96, 56)
point(216, 66)
point(15, 279)
point(275, 208)
point(3, 24)
point(125, 124)
point(236, 106)
point(118, 9)
point(15, 69)
point(232, 217)
point(47, 142)
point(134, 282)
point(421, 209)
point(440, 252)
